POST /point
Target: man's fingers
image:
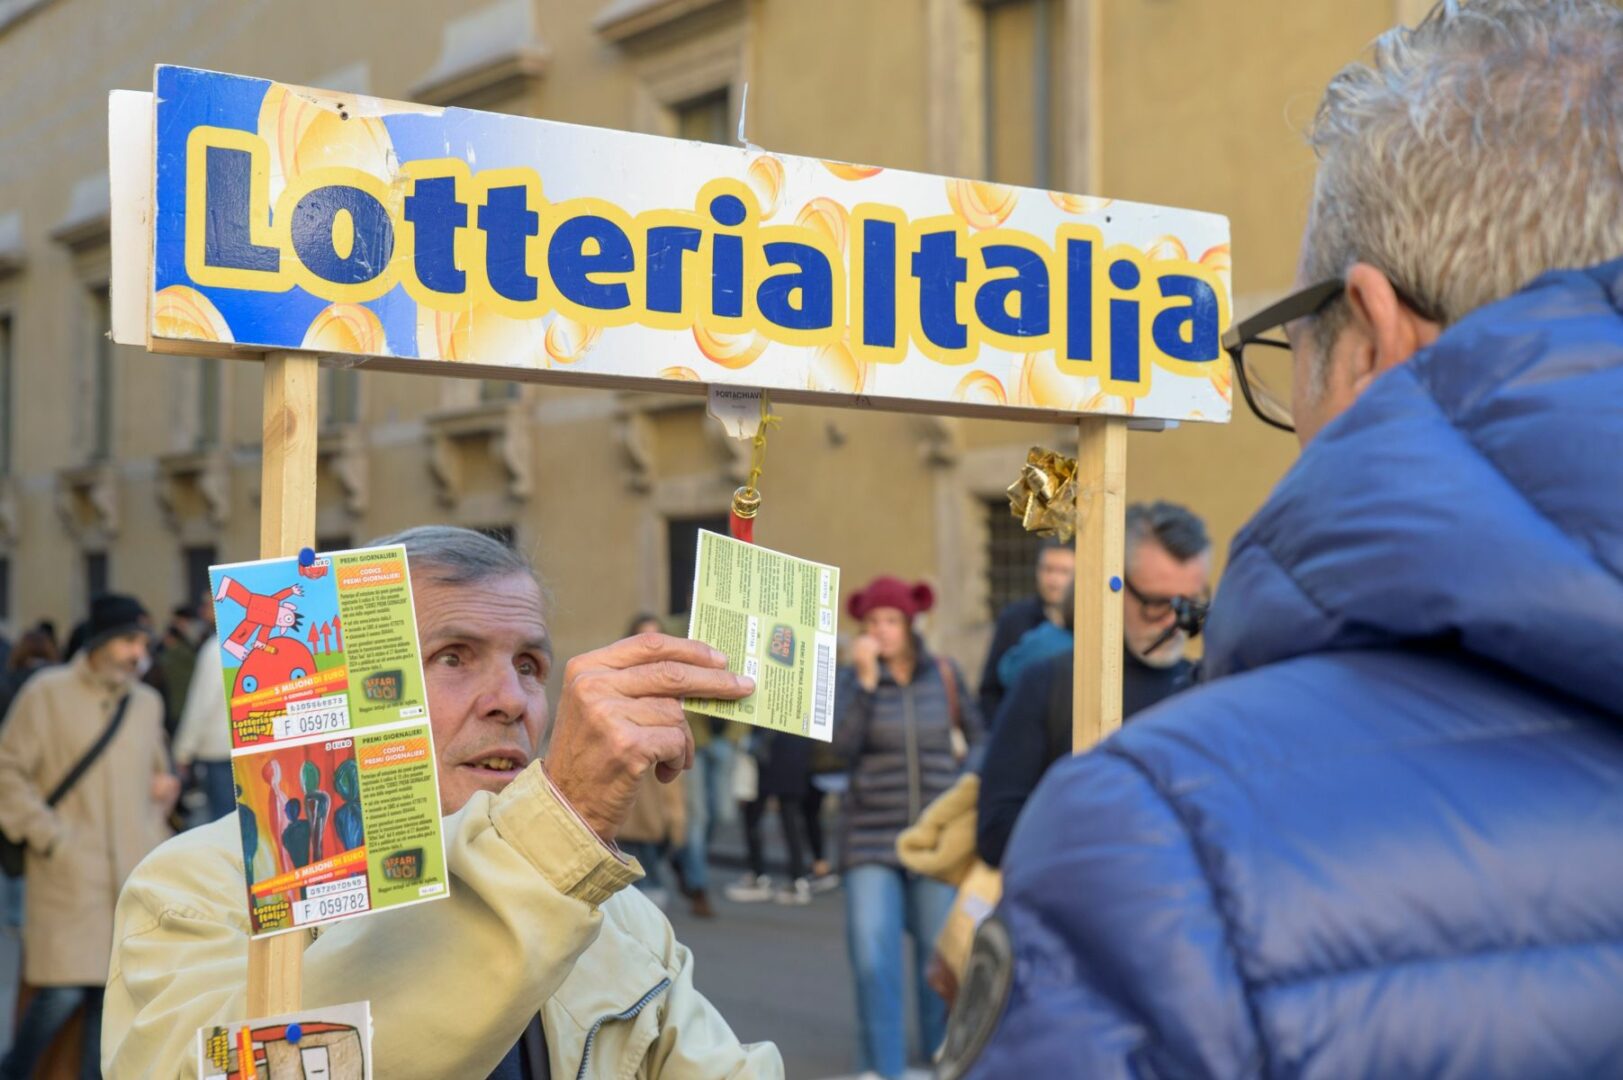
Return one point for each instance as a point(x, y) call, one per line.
point(666, 771)
point(667, 747)
point(653, 712)
point(675, 680)
point(651, 649)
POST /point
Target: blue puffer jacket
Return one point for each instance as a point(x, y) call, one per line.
point(1387, 839)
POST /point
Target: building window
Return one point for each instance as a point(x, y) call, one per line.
point(95, 574)
point(101, 374)
point(208, 404)
point(704, 118)
point(340, 396)
point(6, 391)
point(1024, 62)
point(198, 559)
point(682, 553)
point(1011, 558)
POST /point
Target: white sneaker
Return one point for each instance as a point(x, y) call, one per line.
point(797, 894)
point(823, 883)
point(749, 889)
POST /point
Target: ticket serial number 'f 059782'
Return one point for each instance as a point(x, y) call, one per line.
point(350, 898)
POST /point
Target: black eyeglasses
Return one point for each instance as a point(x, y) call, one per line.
point(1190, 610)
point(1265, 373)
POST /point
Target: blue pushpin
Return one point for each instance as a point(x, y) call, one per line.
point(1115, 584)
point(307, 556)
point(294, 1031)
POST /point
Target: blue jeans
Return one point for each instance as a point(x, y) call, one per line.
point(49, 1009)
point(709, 802)
point(220, 787)
point(881, 902)
point(11, 901)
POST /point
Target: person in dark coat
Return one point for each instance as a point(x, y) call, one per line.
point(1056, 567)
point(784, 772)
point(1169, 566)
point(903, 720)
point(1385, 837)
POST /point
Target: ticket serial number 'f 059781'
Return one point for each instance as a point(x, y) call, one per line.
point(315, 716)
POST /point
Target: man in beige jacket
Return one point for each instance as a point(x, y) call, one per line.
point(541, 963)
point(80, 851)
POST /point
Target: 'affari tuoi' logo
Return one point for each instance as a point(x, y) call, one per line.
point(782, 645)
point(403, 865)
point(384, 686)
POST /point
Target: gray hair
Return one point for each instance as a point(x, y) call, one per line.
point(1176, 528)
point(1472, 153)
point(452, 555)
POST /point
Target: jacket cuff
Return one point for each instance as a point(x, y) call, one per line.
point(536, 820)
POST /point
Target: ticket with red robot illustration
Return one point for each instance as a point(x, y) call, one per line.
point(317, 645)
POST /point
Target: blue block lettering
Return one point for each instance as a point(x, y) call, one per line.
point(1079, 299)
point(1029, 284)
point(1124, 357)
point(814, 282)
point(667, 244)
point(226, 231)
point(940, 270)
point(1199, 342)
point(572, 267)
point(312, 229)
point(727, 275)
point(508, 222)
point(879, 284)
point(436, 215)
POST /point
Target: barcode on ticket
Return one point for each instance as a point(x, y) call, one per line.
point(822, 719)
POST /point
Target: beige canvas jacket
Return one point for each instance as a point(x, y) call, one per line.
point(538, 919)
point(99, 831)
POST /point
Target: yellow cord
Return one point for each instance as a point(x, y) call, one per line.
point(758, 454)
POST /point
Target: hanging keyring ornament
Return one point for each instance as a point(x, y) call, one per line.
point(747, 499)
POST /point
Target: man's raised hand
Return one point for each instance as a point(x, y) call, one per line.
point(621, 715)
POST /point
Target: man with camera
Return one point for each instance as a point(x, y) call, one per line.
point(1169, 566)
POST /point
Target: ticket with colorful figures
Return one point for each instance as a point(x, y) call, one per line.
point(333, 756)
point(333, 1043)
point(773, 616)
point(312, 646)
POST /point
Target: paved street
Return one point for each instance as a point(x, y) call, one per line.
point(779, 973)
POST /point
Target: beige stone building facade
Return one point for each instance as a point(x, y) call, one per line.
point(129, 471)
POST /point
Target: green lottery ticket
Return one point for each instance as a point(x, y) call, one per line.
point(773, 616)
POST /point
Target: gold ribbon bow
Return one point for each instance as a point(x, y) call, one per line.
point(1044, 498)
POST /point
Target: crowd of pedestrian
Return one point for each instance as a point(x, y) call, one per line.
point(908, 725)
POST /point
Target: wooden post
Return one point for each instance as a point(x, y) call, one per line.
point(1101, 507)
point(287, 522)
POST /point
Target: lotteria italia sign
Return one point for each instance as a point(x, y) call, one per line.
point(291, 218)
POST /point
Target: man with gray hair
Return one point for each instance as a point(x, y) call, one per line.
point(541, 963)
point(1383, 838)
point(1168, 575)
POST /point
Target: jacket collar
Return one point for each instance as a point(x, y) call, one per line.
point(1469, 500)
